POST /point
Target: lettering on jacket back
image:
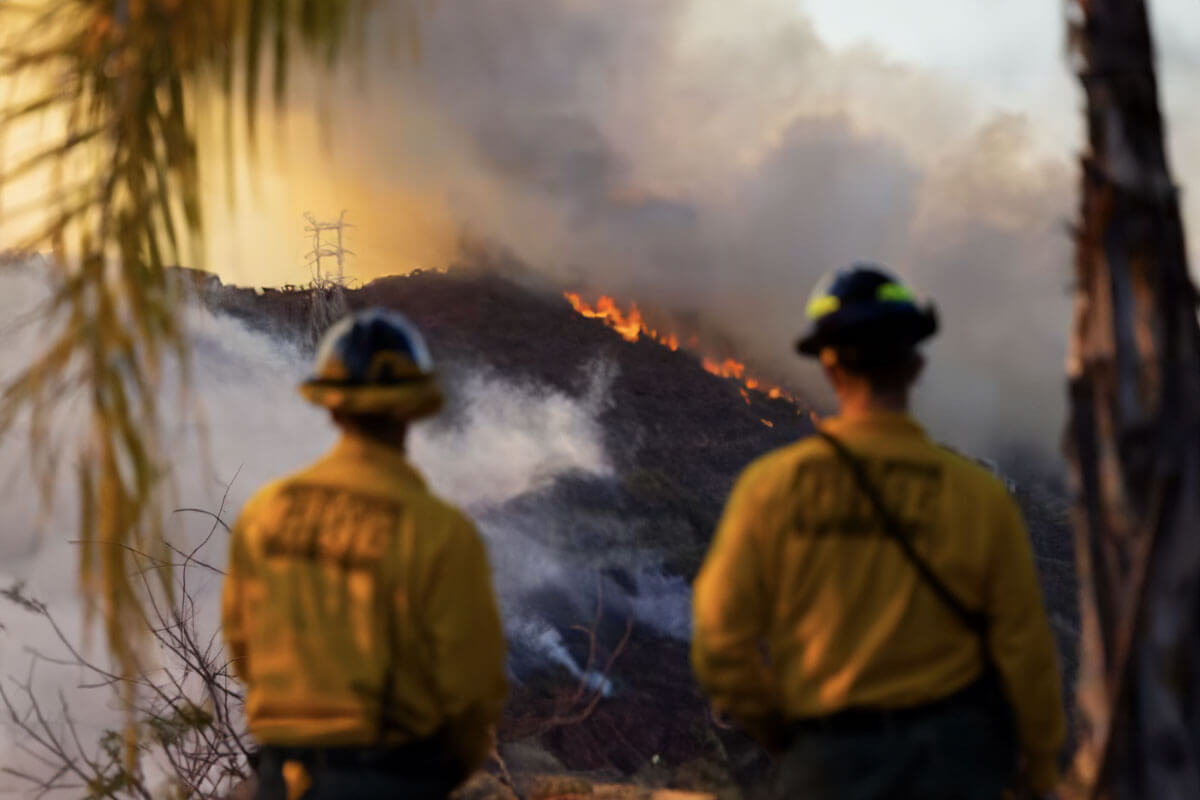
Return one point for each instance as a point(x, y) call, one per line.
point(830, 501)
point(318, 523)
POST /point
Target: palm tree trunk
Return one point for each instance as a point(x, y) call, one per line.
point(1134, 433)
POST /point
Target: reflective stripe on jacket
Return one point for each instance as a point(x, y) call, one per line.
point(358, 609)
point(800, 564)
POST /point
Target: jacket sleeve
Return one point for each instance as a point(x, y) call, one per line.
point(466, 643)
point(1023, 649)
point(731, 610)
point(233, 603)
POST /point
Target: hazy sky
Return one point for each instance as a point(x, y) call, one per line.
point(996, 56)
point(1010, 56)
point(976, 58)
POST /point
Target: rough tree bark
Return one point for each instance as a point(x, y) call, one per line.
point(1134, 433)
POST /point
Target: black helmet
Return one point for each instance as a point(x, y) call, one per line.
point(868, 310)
point(374, 362)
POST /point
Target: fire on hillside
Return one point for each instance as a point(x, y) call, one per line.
point(633, 326)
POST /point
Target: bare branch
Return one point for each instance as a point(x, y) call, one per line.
point(185, 707)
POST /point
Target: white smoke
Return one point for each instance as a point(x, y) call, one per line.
point(511, 440)
point(548, 641)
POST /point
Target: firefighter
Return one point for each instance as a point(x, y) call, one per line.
point(358, 607)
point(869, 608)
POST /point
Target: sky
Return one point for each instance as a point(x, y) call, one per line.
point(1011, 56)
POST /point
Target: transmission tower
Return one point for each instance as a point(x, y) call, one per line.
point(327, 291)
point(322, 248)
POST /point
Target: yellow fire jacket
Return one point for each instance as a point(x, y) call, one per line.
point(801, 566)
point(358, 610)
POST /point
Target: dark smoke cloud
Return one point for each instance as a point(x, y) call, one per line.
point(704, 160)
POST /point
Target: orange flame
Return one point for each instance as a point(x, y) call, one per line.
point(632, 326)
point(729, 368)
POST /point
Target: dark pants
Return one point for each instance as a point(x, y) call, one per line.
point(420, 771)
point(960, 749)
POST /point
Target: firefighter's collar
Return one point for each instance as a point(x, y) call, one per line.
point(898, 422)
point(363, 448)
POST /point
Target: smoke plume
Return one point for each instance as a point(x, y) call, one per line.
point(710, 162)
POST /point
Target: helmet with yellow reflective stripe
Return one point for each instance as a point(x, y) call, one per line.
point(866, 308)
point(374, 362)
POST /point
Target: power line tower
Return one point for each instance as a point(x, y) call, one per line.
point(321, 248)
point(326, 290)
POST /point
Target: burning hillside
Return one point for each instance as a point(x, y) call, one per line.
point(594, 563)
point(632, 326)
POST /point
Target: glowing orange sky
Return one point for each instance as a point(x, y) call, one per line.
point(258, 239)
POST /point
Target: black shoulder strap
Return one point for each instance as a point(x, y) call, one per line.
point(975, 620)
